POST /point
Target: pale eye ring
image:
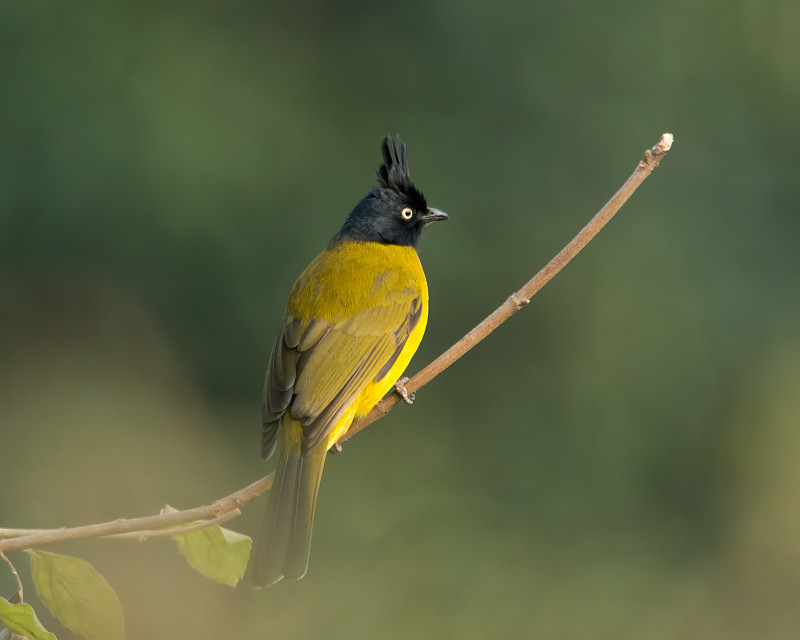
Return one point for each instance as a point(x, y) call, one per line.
point(407, 213)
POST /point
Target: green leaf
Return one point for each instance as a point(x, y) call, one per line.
point(217, 553)
point(21, 619)
point(78, 596)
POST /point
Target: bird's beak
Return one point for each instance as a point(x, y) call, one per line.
point(434, 215)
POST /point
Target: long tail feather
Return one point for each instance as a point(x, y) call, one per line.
point(284, 542)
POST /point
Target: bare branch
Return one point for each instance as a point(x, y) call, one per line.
point(217, 509)
point(229, 506)
point(16, 575)
point(521, 298)
point(141, 536)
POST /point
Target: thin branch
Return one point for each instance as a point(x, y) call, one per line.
point(519, 299)
point(229, 506)
point(218, 508)
point(141, 536)
point(16, 533)
point(16, 575)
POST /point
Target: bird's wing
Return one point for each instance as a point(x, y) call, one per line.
point(318, 368)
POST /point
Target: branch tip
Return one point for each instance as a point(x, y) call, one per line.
point(665, 144)
point(653, 156)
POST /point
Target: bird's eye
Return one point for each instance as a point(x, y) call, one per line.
point(407, 213)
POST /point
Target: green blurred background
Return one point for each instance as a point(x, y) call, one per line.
point(617, 461)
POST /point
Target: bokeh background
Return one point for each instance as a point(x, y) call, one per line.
point(619, 460)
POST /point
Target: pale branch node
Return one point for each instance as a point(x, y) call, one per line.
point(166, 524)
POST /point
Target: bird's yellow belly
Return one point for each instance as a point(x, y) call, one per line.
point(374, 391)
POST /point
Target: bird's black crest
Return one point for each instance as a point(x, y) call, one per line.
point(377, 217)
point(393, 173)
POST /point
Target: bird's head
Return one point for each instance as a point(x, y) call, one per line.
point(394, 212)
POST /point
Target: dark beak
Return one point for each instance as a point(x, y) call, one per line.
point(434, 215)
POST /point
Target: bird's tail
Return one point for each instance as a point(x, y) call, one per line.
point(284, 542)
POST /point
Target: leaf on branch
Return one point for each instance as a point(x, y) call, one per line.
point(78, 596)
point(217, 553)
point(21, 619)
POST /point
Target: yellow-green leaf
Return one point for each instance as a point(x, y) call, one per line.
point(21, 619)
point(217, 553)
point(78, 596)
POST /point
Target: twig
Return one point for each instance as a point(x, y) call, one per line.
point(519, 299)
point(213, 510)
point(16, 575)
point(149, 526)
point(141, 536)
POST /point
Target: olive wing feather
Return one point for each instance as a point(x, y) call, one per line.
point(318, 368)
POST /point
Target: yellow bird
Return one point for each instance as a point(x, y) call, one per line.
point(354, 318)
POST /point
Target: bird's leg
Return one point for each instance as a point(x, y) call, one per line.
point(336, 448)
point(400, 388)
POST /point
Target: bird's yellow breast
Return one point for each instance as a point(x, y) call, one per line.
point(351, 277)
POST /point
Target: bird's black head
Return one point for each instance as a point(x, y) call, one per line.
point(395, 211)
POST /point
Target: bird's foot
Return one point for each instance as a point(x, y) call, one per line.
point(336, 448)
point(400, 388)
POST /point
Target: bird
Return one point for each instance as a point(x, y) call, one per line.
point(354, 318)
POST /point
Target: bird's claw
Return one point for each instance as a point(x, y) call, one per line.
point(336, 448)
point(400, 388)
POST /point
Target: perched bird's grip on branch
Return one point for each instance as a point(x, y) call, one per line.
point(228, 506)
